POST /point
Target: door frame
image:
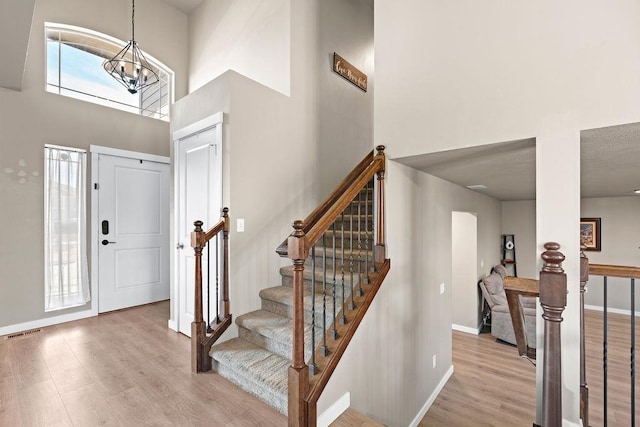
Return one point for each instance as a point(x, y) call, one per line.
point(213, 121)
point(95, 150)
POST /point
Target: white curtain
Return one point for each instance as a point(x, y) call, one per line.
point(65, 228)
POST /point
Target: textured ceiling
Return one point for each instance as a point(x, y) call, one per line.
point(610, 161)
point(610, 165)
point(508, 170)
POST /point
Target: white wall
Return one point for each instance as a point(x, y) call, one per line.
point(346, 112)
point(31, 118)
point(409, 321)
point(273, 142)
point(519, 219)
point(466, 73)
point(620, 240)
point(251, 37)
point(459, 74)
point(464, 270)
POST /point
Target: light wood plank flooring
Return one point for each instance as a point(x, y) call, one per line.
point(124, 368)
point(351, 418)
point(492, 386)
point(127, 368)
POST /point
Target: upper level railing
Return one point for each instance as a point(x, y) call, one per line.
point(204, 334)
point(339, 262)
point(607, 271)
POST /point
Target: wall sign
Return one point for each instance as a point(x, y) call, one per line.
point(349, 72)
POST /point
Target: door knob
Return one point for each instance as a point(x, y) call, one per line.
point(106, 242)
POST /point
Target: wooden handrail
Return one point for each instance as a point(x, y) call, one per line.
point(331, 199)
point(515, 287)
point(333, 212)
point(200, 341)
point(614, 271)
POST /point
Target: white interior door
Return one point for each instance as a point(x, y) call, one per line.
point(132, 232)
point(199, 197)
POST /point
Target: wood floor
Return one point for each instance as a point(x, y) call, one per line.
point(491, 386)
point(125, 368)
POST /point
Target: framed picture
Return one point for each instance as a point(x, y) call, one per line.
point(590, 233)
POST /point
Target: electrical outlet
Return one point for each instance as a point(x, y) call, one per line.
point(434, 361)
point(240, 225)
point(441, 288)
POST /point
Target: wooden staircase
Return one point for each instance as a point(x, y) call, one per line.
point(258, 360)
point(286, 351)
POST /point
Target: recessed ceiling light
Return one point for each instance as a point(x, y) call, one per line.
point(476, 187)
point(637, 191)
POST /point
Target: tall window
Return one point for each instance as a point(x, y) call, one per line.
point(65, 229)
point(75, 58)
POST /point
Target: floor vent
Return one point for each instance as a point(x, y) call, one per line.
point(24, 333)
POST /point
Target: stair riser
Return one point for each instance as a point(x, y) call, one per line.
point(287, 311)
point(279, 348)
point(288, 281)
point(275, 400)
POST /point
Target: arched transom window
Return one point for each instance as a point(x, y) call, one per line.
point(75, 58)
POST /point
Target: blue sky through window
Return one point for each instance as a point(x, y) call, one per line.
point(75, 58)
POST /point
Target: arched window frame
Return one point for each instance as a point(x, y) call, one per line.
point(154, 101)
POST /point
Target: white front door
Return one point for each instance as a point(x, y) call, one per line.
point(132, 232)
point(198, 197)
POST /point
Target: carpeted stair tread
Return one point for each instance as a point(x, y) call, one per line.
point(279, 300)
point(284, 295)
point(273, 332)
point(254, 369)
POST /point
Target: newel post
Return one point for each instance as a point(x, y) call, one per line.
point(380, 247)
point(553, 299)
point(225, 309)
point(584, 388)
point(199, 358)
point(298, 371)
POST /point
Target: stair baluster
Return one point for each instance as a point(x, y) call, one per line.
point(209, 330)
point(360, 293)
point(202, 334)
point(314, 368)
point(380, 252)
point(324, 350)
point(343, 318)
point(366, 233)
point(352, 305)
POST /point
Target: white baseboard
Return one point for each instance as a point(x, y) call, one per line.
point(334, 411)
point(432, 398)
point(610, 310)
point(172, 325)
point(466, 329)
point(47, 321)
